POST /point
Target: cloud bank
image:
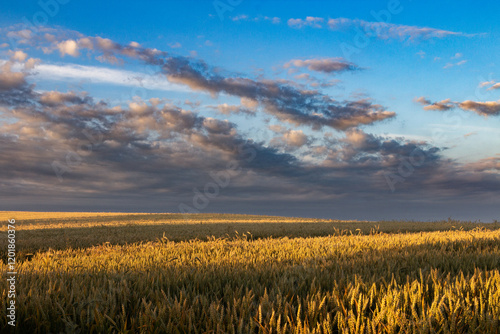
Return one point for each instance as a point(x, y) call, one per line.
point(68, 144)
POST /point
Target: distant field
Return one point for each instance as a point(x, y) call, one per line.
point(61, 230)
point(215, 273)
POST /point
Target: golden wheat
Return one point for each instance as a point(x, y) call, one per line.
point(350, 277)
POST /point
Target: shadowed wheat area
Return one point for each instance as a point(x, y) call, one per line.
point(214, 273)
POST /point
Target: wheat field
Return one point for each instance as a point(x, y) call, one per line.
point(214, 273)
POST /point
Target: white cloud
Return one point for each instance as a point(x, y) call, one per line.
point(175, 45)
point(411, 137)
point(309, 21)
point(384, 30)
point(460, 63)
point(289, 138)
point(274, 20)
point(240, 18)
point(493, 84)
point(19, 56)
point(69, 47)
point(96, 74)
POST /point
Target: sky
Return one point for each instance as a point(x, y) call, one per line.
point(363, 110)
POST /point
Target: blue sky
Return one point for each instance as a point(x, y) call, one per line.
point(334, 98)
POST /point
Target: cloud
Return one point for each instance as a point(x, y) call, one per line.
point(493, 84)
point(309, 21)
point(487, 108)
point(59, 120)
point(421, 54)
point(360, 147)
point(72, 43)
point(14, 88)
point(277, 128)
point(470, 134)
point(240, 18)
point(281, 99)
point(441, 105)
point(110, 49)
point(383, 30)
point(295, 138)
point(274, 20)
point(291, 139)
point(226, 109)
point(69, 47)
point(55, 98)
point(23, 36)
point(316, 82)
point(175, 45)
point(285, 102)
point(153, 149)
point(169, 137)
point(491, 164)
point(95, 74)
point(249, 103)
point(243, 17)
point(19, 56)
point(460, 63)
point(323, 65)
point(10, 80)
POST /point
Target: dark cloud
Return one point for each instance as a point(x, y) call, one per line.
point(147, 146)
point(10, 80)
point(324, 65)
point(14, 89)
point(56, 98)
point(152, 150)
point(282, 100)
point(157, 149)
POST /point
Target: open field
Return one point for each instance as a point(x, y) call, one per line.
point(212, 273)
